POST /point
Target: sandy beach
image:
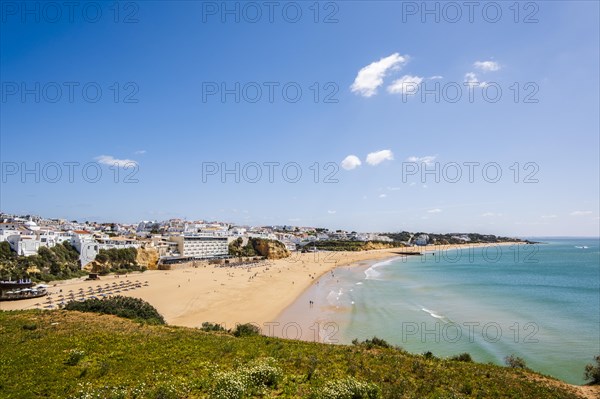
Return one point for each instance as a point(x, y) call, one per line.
point(194, 293)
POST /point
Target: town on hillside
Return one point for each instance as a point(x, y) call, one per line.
point(179, 240)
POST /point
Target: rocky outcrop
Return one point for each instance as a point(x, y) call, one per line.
point(270, 249)
point(147, 257)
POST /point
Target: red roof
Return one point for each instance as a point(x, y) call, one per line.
point(81, 232)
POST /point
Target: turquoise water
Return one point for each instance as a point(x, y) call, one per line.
point(540, 302)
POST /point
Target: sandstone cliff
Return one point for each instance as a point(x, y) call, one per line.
point(147, 257)
point(270, 249)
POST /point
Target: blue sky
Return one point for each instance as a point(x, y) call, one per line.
point(370, 69)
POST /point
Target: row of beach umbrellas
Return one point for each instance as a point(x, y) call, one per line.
point(100, 291)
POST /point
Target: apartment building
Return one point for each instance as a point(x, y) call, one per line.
point(201, 246)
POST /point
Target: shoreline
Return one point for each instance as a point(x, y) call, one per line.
point(296, 322)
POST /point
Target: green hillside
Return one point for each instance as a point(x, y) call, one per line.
point(68, 354)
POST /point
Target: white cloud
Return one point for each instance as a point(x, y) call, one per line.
point(487, 66)
point(331, 212)
point(394, 188)
point(407, 84)
point(375, 158)
point(549, 216)
point(436, 77)
point(351, 162)
point(382, 195)
point(580, 213)
point(436, 210)
point(371, 77)
point(472, 80)
point(112, 161)
point(427, 159)
point(140, 152)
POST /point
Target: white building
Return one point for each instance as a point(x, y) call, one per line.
point(50, 238)
point(24, 245)
point(201, 246)
point(423, 239)
point(79, 237)
point(91, 248)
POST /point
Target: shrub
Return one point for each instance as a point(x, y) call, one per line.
point(515, 362)
point(30, 326)
point(262, 374)
point(463, 357)
point(130, 308)
point(372, 343)
point(428, 355)
point(246, 330)
point(228, 386)
point(313, 362)
point(348, 388)
point(250, 380)
point(206, 326)
point(74, 357)
point(592, 372)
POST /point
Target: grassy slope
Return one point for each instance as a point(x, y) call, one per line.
point(165, 362)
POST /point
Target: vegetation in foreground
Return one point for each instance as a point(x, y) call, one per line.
point(592, 372)
point(67, 354)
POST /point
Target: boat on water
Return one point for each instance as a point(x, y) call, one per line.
point(21, 289)
point(581, 247)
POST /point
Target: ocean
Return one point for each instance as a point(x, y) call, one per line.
point(539, 302)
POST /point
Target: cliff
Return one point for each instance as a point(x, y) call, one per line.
point(147, 257)
point(270, 249)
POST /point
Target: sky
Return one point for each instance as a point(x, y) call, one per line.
point(359, 115)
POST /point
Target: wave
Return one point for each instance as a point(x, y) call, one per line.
point(333, 298)
point(435, 315)
point(371, 273)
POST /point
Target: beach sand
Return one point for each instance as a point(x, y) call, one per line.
point(190, 295)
